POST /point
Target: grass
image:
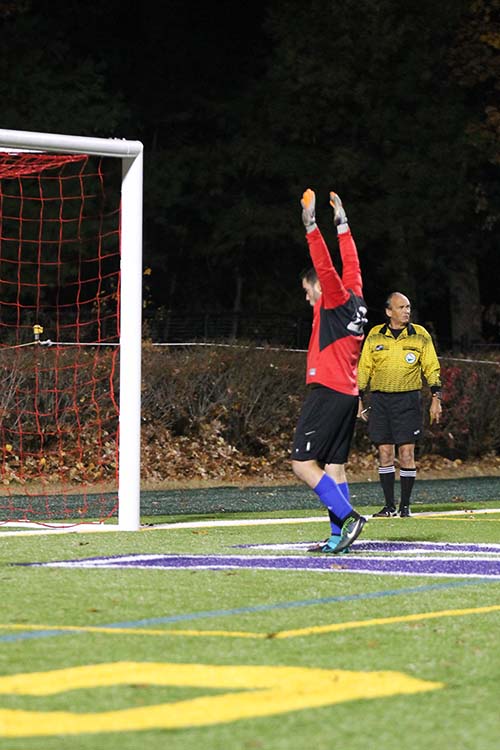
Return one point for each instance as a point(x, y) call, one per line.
point(421, 671)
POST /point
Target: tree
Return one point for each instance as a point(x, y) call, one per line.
point(393, 105)
point(475, 65)
point(44, 87)
point(361, 97)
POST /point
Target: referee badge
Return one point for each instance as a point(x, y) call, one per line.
point(410, 358)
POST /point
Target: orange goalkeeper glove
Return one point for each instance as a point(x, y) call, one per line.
point(308, 203)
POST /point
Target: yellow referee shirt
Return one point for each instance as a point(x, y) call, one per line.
point(396, 365)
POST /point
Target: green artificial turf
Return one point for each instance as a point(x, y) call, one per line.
point(233, 617)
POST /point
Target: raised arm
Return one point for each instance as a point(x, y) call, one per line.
point(334, 292)
point(351, 269)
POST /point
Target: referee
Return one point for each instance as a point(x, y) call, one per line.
point(393, 360)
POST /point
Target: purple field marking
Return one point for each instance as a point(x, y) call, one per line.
point(428, 566)
point(383, 546)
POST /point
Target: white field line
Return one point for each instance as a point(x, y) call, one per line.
point(38, 528)
point(453, 512)
point(86, 528)
point(307, 519)
point(97, 527)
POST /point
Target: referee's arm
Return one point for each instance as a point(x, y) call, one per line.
point(431, 368)
point(432, 373)
point(364, 374)
point(365, 366)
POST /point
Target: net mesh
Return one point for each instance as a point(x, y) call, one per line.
point(59, 335)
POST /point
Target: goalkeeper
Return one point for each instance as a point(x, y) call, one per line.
point(326, 424)
point(395, 357)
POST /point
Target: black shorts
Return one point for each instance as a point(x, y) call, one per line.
point(395, 418)
point(325, 427)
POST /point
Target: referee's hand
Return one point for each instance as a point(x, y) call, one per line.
point(436, 410)
point(362, 412)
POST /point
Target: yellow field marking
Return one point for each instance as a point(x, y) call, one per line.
point(299, 632)
point(267, 691)
point(316, 629)
point(135, 631)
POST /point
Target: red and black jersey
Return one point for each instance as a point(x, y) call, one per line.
point(339, 316)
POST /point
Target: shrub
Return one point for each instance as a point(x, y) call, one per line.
point(207, 411)
point(248, 395)
point(470, 425)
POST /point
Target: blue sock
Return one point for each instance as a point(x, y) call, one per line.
point(344, 488)
point(331, 496)
point(335, 528)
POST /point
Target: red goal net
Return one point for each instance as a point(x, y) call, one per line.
point(59, 336)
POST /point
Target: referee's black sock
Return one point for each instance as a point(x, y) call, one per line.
point(407, 480)
point(387, 476)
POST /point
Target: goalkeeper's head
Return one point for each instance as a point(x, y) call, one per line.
point(311, 285)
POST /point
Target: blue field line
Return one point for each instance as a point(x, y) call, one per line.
point(29, 635)
point(299, 603)
point(47, 633)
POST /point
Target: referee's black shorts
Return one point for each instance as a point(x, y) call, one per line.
point(325, 427)
point(395, 418)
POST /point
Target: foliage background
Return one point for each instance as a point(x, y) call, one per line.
point(229, 413)
point(215, 413)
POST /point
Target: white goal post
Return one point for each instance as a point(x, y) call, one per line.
point(131, 155)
